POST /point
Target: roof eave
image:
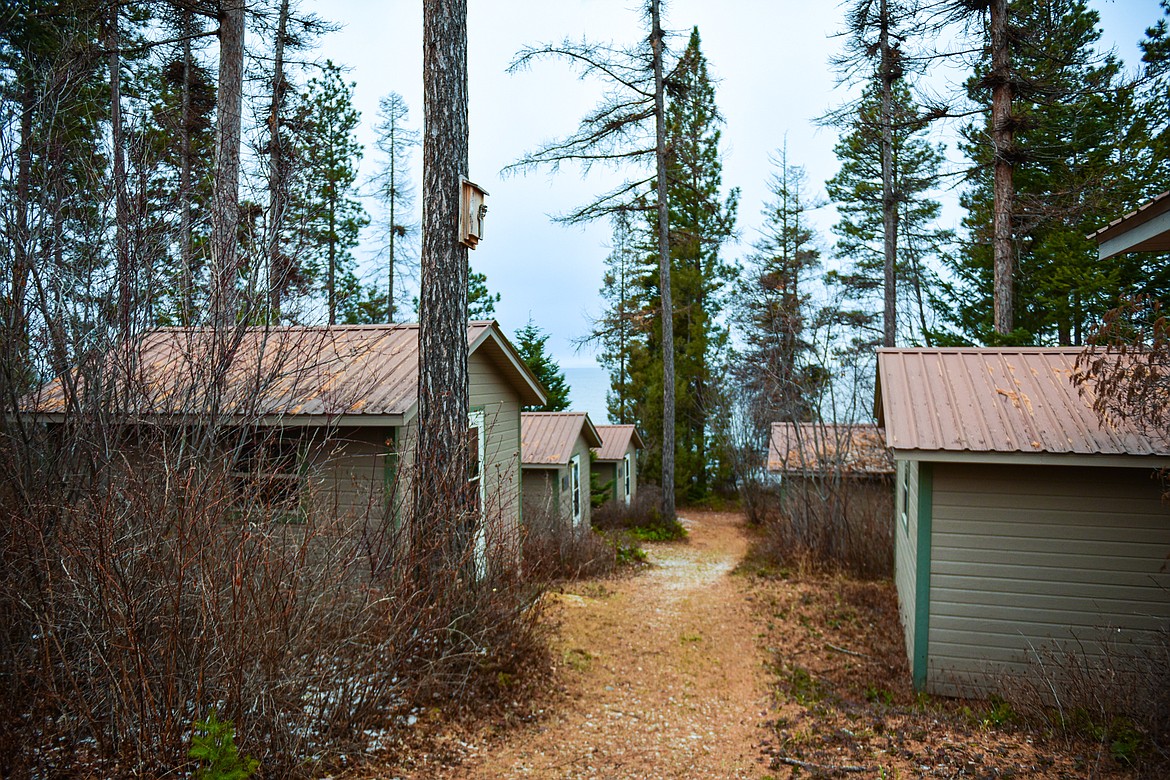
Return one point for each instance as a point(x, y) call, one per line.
point(1035, 458)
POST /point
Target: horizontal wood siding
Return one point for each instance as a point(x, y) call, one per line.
point(607, 472)
point(345, 471)
point(1029, 559)
point(541, 494)
point(500, 403)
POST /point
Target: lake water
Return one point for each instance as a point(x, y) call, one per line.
point(587, 388)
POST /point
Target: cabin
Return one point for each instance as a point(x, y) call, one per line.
point(616, 461)
point(555, 451)
point(1026, 528)
point(321, 420)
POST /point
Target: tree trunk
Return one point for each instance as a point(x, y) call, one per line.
point(443, 523)
point(889, 197)
point(186, 259)
point(17, 338)
point(667, 314)
point(393, 226)
point(225, 208)
point(123, 271)
point(276, 164)
point(332, 283)
point(1003, 145)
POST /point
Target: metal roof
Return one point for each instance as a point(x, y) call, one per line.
point(548, 438)
point(823, 447)
point(1147, 229)
point(615, 440)
point(997, 400)
point(326, 372)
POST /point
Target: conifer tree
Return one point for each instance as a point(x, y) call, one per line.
point(532, 343)
point(857, 191)
point(393, 189)
point(1078, 162)
point(620, 327)
point(324, 209)
point(481, 302)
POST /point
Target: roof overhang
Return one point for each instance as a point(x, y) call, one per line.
point(1035, 458)
point(504, 356)
point(1144, 230)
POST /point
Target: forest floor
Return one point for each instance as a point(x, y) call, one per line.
point(692, 668)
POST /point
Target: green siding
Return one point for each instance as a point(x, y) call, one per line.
point(925, 510)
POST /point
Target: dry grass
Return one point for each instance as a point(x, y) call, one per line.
point(844, 699)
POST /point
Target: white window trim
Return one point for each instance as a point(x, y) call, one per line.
point(576, 506)
point(479, 541)
point(629, 482)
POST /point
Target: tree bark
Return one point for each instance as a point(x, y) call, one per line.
point(186, 164)
point(667, 313)
point(889, 196)
point(123, 272)
point(443, 524)
point(1003, 146)
point(225, 208)
point(276, 166)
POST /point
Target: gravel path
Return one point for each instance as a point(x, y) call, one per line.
point(663, 674)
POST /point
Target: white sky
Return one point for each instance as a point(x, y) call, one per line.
point(771, 61)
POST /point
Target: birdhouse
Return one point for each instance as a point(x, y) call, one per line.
point(472, 210)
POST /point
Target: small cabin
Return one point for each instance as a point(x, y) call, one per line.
point(555, 450)
point(616, 461)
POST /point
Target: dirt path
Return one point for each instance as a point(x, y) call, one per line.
point(662, 670)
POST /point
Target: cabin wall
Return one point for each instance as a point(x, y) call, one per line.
point(492, 393)
point(1040, 559)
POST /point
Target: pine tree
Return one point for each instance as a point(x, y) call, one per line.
point(324, 209)
point(481, 302)
point(772, 308)
point(701, 220)
point(1078, 161)
point(393, 189)
point(531, 343)
point(620, 327)
point(857, 192)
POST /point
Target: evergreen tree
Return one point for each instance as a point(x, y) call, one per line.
point(323, 209)
point(857, 192)
point(481, 302)
point(1156, 95)
point(531, 342)
point(773, 310)
point(394, 191)
point(620, 326)
point(1079, 160)
point(701, 220)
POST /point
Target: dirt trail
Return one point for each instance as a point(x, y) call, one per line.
point(664, 676)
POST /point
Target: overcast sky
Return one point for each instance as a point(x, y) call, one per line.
point(771, 61)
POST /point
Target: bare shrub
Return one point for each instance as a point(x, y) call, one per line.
point(555, 551)
point(643, 511)
point(1112, 691)
point(152, 572)
point(829, 521)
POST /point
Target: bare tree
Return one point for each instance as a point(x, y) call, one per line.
point(617, 132)
point(442, 379)
point(392, 185)
point(277, 173)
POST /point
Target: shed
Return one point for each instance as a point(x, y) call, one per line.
point(616, 460)
point(1026, 527)
point(333, 410)
point(555, 456)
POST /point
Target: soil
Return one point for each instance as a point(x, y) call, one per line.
point(656, 675)
point(689, 668)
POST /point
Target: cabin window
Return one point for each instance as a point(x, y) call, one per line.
point(904, 494)
point(575, 487)
point(627, 478)
point(475, 461)
point(268, 475)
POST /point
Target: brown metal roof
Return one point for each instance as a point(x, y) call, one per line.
point(344, 370)
point(1003, 400)
point(615, 440)
point(548, 438)
point(1113, 238)
point(820, 448)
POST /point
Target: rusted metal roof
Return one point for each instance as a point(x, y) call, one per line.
point(548, 438)
point(1001, 400)
point(615, 440)
point(1147, 229)
point(317, 372)
point(821, 448)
